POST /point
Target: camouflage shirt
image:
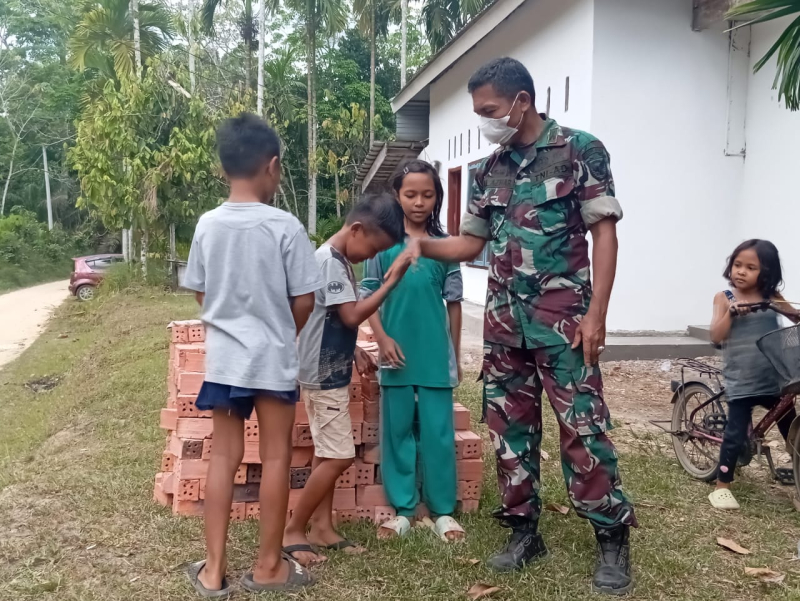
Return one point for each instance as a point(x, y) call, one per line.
point(534, 205)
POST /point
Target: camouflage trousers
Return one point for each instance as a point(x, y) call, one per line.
point(514, 380)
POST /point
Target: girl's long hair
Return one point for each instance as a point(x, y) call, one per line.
point(434, 225)
point(770, 279)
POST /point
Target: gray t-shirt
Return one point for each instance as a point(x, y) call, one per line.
point(327, 346)
point(249, 259)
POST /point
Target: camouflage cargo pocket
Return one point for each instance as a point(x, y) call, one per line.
point(590, 414)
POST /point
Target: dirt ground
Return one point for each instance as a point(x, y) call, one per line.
point(23, 313)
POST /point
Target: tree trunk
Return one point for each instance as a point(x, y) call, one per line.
point(338, 200)
point(261, 33)
point(373, 38)
point(47, 189)
point(137, 46)
point(403, 42)
point(8, 179)
point(192, 51)
point(311, 49)
point(144, 244)
point(248, 42)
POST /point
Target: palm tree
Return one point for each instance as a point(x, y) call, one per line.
point(103, 38)
point(373, 20)
point(445, 18)
point(787, 46)
point(328, 17)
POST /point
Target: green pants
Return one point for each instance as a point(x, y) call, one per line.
point(435, 443)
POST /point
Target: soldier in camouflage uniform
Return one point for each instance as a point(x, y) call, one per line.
point(534, 200)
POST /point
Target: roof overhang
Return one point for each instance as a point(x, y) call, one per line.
point(383, 158)
point(463, 42)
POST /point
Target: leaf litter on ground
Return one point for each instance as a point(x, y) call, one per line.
point(766, 575)
point(480, 590)
point(732, 546)
point(556, 508)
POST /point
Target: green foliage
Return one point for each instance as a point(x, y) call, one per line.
point(326, 227)
point(445, 18)
point(126, 279)
point(787, 46)
point(30, 254)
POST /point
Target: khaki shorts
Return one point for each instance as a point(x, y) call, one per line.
point(329, 418)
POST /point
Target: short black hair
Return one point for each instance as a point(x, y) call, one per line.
point(380, 210)
point(771, 277)
point(245, 143)
point(506, 75)
point(434, 225)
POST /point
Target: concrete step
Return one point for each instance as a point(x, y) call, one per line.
point(648, 346)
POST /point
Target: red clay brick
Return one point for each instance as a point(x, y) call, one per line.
point(298, 476)
point(371, 453)
point(355, 391)
point(472, 445)
point(302, 436)
point(168, 482)
point(300, 414)
point(384, 514)
point(371, 496)
point(202, 489)
point(366, 513)
point(192, 508)
point(372, 412)
point(238, 512)
point(344, 498)
point(180, 334)
point(357, 433)
point(191, 469)
point(241, 475)
point(160, 496)
point(366, 334)
point(301, 457)
point(194, 427)
point(250, 430)
point(188, 490)
point(460, 417)
point(253, 511)
point(356, 410)
point(206, 449)
point(469, 491)
point(348, 478)
point(254, 473)
point(470, 469)
point(346, 516)
point(190, 383)
point(167, 462)
point(370, 433)
point(365, 473)
point(169, 419)
point(197, 333)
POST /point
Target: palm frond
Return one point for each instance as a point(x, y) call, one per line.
point(207, 12)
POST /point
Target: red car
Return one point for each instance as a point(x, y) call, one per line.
point(88, 274)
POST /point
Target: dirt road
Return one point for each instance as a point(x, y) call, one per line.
point(23, 313)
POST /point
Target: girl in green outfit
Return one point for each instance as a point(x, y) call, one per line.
point(420, 368)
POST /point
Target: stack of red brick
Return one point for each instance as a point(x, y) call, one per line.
point(180, 484)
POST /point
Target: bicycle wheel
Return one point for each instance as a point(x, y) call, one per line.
point(694, 419)
point(795, 450)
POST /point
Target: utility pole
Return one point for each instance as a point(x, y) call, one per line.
point(261, 25)
point(47, 189)
point(403, 42)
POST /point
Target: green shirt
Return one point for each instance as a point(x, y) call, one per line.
point(414, 315)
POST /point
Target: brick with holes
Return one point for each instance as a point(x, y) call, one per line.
point(250, 430)
point(354, 390)
point(366, 513)
point(370, 433)
point(186, 449)
point(254, 473)
point(365, 473)
point(384, 514)
point(188, 490)
point(460, 417)
point(241, 475)
point(471, 445)
point(253, 511)
point(348, 478)
point(346, 516)
point(206, 449)
point(238, 512)
point(356, 428)
point(302, 436)
point(180, 333)
point(202, 488)
point(167, 462)
point(298, 476)
point(469, 491)
point(197, 332)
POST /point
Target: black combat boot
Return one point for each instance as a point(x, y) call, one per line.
point(524, 546)
point(612, 571)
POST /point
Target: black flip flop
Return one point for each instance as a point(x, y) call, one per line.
point(290, 550)
point(339, 545)
point(193, 572)
point(298, 579)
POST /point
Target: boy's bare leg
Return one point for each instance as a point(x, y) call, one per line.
point(319, 487)
point(275, 421)
point(226, 457)
point(322, 532)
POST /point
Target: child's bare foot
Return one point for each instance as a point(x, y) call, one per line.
point(329, 539)
point(398, 526)
point(298, 547)
point(263, 575)
point(449, 529)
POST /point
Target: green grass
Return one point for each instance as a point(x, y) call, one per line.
point(33, 272)
point(77, 521)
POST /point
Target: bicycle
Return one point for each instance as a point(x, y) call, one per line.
point(699, 416)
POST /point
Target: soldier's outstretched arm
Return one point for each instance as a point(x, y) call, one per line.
point(455, 249)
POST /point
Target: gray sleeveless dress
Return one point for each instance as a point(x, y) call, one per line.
point(747, 372)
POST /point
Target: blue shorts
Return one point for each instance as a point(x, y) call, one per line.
point(241, 400)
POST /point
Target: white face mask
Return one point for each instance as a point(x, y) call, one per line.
point(498, 131)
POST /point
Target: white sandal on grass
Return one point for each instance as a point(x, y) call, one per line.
point(722, 498)
point(446, 524)
point(400, 525)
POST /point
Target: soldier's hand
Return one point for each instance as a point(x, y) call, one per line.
point(591, 333)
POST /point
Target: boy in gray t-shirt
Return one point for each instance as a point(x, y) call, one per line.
point(327, 348)
point(254, 273)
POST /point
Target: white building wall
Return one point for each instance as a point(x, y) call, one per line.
point(769, 205)
point(660, 105)
point(554, 40)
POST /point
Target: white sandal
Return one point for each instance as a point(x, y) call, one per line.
point(446, 524)
point(399, 524)
point(722, 498)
